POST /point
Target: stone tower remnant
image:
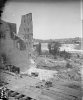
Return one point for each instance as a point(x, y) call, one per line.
point(26, 31)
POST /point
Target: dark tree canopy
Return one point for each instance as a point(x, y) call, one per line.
point(54, 48)
point(49, 47)
point(39, 48)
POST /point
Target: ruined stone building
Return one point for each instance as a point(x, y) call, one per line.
point(14, 49)
point(26, 31)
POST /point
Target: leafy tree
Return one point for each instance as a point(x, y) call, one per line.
point(39, 49)
point(65, 54)
point(49, 47)
point(56, 48)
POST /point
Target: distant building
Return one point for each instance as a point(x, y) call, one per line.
point(15, 49)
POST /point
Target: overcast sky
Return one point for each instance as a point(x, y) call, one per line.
point(51, 19)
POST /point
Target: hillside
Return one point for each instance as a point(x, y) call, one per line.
point(63, 41)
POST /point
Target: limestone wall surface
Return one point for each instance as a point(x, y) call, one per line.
point(13, 46)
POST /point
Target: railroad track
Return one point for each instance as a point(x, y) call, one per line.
point(13, 95)
point(58, 92)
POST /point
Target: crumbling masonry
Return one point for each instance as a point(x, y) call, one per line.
point(26, 31)
point(16, 49)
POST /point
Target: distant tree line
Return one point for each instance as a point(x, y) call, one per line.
point(65, 40)
point(54, 49)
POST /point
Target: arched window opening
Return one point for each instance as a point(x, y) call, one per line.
point(21, 45)
point(18, 45)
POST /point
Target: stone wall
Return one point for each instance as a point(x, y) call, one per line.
point(13, 47)
point(26, 30)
